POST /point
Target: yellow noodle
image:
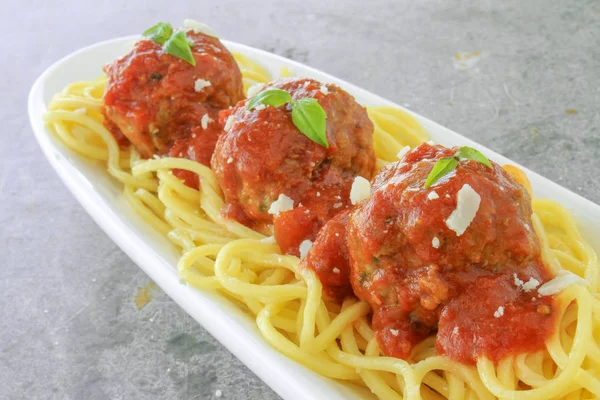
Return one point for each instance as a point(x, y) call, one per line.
point(338, 341)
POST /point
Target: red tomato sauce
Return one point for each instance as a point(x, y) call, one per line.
point(163, 105)
point(467, 289)
point(328, 257)
point(264, 155)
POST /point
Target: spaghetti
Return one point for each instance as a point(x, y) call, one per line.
point(337, 341)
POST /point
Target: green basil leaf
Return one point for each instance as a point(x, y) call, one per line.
point(270, 97)
point(442, 167)
point(178, 46)
point(159, 33)
point(470, 153)
point(310, 118)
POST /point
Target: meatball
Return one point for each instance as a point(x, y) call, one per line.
point(415, 267)
point(263, 155)
point(154, 98)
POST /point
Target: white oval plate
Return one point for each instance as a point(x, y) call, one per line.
point(101, 196)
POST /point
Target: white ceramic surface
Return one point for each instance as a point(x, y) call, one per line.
point(101, 196)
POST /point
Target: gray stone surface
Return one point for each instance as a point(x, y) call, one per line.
point(69, 327)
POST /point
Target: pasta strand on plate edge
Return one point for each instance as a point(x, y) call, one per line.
point(337, 342)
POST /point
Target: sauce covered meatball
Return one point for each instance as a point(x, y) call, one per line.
point(460, 258)
point(153, 99)
point(263, 157)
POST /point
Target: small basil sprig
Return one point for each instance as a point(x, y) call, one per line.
point(159, 33)
point(445, 165)
point(307, 114)
point(176, 45)
point(469, 153)
point(270, 97)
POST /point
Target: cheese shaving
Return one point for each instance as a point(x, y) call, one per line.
point(561, 281)
point(499, 312)
point(269, 240)
point(530, 285)
point(201, 84)
point(361, 190)
point(304, 248)
point(205, 121)
point(433, 195)
point(403, 152)
point(283, 203)
point(198, 27)
point(253, 90)
point(229, 123)
point(467, 205)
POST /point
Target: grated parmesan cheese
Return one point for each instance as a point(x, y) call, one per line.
point(561, 281)
point(361, 190)
point(435, 242)
point(531, 284)
point(430, 142)
point(337, 205)
point(201, 84)
point(198, 27)
point(324, 89)
point(283, 203)
point(229, 160)
point(304, 248)
point(336, 270)
point(229, 123)
point(517, 281)
point(205, 121)
point(403, 152)
point(394, 332)
point(499, 312)
point(260, 107)
point(433, 195)
point(467, 205)
point(254, 89)
point(269, 240)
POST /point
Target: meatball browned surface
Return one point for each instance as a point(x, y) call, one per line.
point(264, 155)
point(154, 98)
point(415, 271)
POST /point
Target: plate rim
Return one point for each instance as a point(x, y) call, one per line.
point(249, 350)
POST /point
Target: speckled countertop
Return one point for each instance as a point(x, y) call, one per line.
point(70, 326)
